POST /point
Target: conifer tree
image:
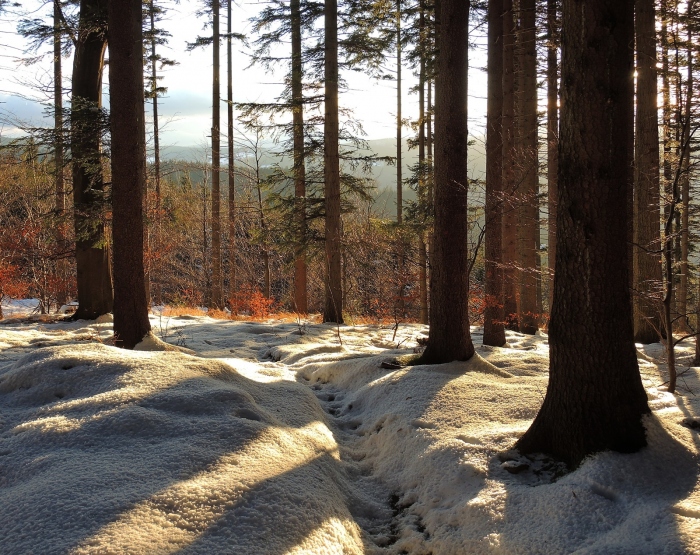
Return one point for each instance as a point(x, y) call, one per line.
point(595, 399)
point(126, 91)
point(95, 295)
point(450, 337)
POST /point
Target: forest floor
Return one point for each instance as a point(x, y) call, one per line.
point(276, 437)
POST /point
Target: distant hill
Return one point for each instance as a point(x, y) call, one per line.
point(383, 173)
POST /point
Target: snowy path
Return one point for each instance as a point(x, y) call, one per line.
point(279, 439)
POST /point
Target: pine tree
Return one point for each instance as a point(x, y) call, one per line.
point(450, 337)
point(494, 330)
point(595, 399)
point(647, 234)
point(126, 91)
point(333, 308)
point(95, 295)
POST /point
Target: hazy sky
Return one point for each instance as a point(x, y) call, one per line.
point(186, 108)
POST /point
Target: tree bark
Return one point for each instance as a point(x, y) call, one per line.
point(528, 210)
point(128, 128)
point(494, 329)
point(423, 195)
point(92, 256)
point(595, 399)
point(333, 311)
point(647, 233)
point(682, 301)
point(216, 293)
point(300, 270)
point(509, 181)
point(450, 337)
point(59, 181)
point(399, 178)
point(231, 159)
point(552, 141)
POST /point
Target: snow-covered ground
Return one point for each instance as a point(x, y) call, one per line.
point(278, 438)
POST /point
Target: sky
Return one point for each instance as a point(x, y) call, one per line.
point(186, 108)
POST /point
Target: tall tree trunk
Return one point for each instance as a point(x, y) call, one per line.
point(595, 399)
point(552, 140)
point(494, 330)
point(528, 186)
point(682, 301)
point(231, 159)
point(300, 279)
point(450, 337)
point(333, 311)
point(150, 269)
point(128, 127)
point(647, 234)
point(216, 293)
point(509, 181)
point(399, 178)
point(666, 115)
point(95, 296)
point(422, 174)
point(59, 182)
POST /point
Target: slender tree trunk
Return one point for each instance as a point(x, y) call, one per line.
point(128, 127)
point(494, 330)
point(685, 185)
point(450, 337)
point(666, 115)
point(528, 186)
point(509, 181)
point(231, 159)
point(552, 140)
point(399, 178)
point(151, 268)
point(59, 183)
point(647, 234)
point(300, 271)
point(595, 399)
point(422, 174)
point(333, 311)
point(95, 295)
point(216, 293)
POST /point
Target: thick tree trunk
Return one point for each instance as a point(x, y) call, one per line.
point(333, 311)
point(552, 140)
point(300, 279)
point(231, 159)
point(509, 181)
point(595, 399)
point(494, 330)
point(216, 292)
point(126, 102)
point(647, 233)
point(528, 185)
point(450, 337)
point(93, 264)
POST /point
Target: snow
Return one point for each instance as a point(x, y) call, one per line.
point(278, 437)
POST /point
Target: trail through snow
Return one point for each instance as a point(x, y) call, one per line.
point(292, 438)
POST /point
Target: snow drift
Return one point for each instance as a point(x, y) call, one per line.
point(282, 438)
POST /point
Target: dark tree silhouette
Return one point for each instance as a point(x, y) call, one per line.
point(595, 399)
point(333, 311)
point(647, 235)
point(494, 330)
point(450, 337)
point(126, 102)
point(92, 255)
